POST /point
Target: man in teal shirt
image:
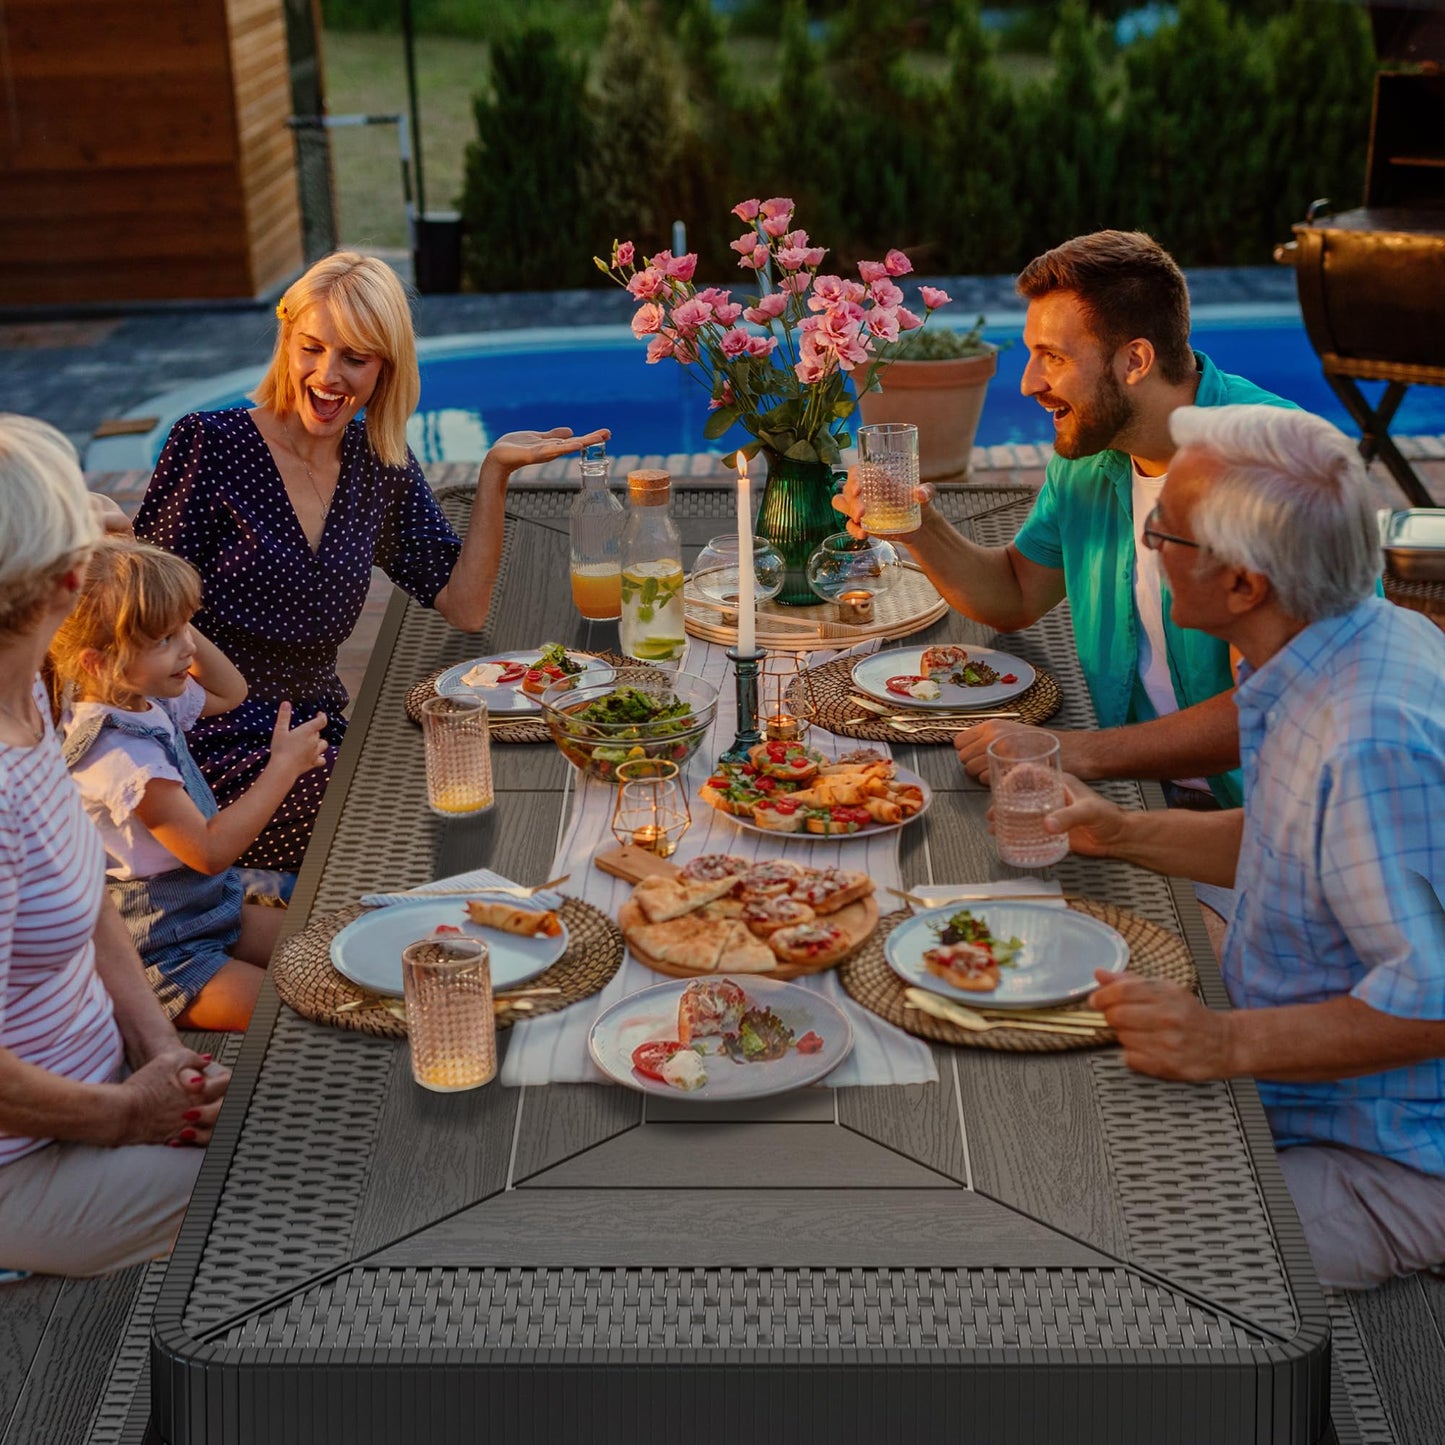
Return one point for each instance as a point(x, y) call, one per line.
point(1107, 333)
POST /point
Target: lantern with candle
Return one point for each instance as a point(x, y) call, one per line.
point(851, 572)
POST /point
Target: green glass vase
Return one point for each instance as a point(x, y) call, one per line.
point(795, 515)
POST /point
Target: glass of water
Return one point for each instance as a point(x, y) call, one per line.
point(1028, 784)
point(888, 477)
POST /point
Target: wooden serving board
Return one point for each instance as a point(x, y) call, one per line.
point(634, 864)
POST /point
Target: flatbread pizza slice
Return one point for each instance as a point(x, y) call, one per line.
point(745, 953)
point(691, 943)
point(663, 899)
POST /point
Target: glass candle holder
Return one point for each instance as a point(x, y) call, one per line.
point(651, 811)
point(715, 573)
point(458, 756)
point(449, 1015)
point(853, 568)
point(787, 706)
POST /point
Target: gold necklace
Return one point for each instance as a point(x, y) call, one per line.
point(310, 475)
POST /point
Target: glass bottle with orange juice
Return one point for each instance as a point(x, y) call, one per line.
point(595, 523)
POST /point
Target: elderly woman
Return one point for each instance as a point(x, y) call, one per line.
point(83, 1187)
point(285, 508)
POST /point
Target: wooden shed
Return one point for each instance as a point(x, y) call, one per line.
point(144, 151)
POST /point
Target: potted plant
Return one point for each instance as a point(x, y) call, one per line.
point(784, 375)
point(937, 380)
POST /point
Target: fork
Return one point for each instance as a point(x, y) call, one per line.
point(924, 1002)
point(889, 714)
point(506, 889)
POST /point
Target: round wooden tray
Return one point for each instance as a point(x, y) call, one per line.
point(910, 605)
point(860, 919)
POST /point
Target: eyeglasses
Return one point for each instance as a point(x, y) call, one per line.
point(1154, 539)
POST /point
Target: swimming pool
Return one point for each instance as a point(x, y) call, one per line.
point(476, 387)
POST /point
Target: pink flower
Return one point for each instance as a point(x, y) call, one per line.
point(815, 256)
point(777, 206)
point(660, 261)
point(659, 349)
point(726, 312)
point(897, 263)
point(724, 398)
point(827, 291)
point(744, 244)
point(811, 369)
point(882, 322)
point(757, 260)
point(691, 314)
point(684, 351)
point(761, 345)
point(907, 321)
point(734, 343)
point(776, 225)
point(796, 284)
point(746, 210)
point(872, 271)
point(769, 308)
point(852, 291)
point(647, 321)
point(792, 258)
point(625, 253)
point(681, 267)
point(647, 284)
point(796, 238)
point(885, 293)
point(933, 298)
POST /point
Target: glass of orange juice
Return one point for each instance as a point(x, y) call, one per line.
point(458, 755)
point(597, 590)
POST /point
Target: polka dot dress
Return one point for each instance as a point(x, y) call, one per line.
point(275, 608)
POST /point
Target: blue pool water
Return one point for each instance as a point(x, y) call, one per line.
point(476, 388)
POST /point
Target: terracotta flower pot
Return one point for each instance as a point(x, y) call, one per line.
point(943, 399)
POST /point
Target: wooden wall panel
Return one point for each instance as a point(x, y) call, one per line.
point(144, 152)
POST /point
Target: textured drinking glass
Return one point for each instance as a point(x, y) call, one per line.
point(887, 476)
point(458, 755)
point(449, 1017)
point(1028, 784)
point(651, 811)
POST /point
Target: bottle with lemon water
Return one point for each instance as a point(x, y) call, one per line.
point(652, 576)
point(595, 524)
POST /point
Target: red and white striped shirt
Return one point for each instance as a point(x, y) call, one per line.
point(55, 1012)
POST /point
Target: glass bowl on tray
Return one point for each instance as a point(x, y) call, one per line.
point(641, 712)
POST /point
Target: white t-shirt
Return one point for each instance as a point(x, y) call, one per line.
point(1149, 604)
point(113, 774)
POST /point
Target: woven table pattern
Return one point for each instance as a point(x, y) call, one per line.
point(829, 689)
point(501, 729)
point(307, 981)
point(732, 1309)
point(1154, 952)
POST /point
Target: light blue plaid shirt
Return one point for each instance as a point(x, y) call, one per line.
point(1342, 864)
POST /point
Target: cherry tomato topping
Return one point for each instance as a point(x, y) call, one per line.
point(786, 806)
point(900, 685)
point(749, 769)
point(446, 928)
point(766, 785)
point(810, 1043)
point(1008, 677)
point(718, 781)
point(553, 671)
point(846, 813)
point(649, 1058)
point(513, 672)
point(777, 751)
point(534, 675)
point(799, 765)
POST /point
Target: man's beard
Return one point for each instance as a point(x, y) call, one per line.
point(1096, 427)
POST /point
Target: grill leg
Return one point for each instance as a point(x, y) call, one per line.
point(1374, 425)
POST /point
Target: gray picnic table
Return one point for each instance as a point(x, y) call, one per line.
point(1036, 1248)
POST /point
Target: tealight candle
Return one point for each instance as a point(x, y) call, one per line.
point(747, 582)
point(855, 607)
point(782, 727)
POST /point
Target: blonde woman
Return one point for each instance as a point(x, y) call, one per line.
point(83, 1189)
point(285, 508)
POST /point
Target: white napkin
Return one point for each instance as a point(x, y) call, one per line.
point(935, 896)
point(479, 880)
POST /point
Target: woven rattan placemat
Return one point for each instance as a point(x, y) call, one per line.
point(528, 729)
point(829, 689)
point(1154, 952)
point(307, 981)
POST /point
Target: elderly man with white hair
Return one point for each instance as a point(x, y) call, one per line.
point(1335, 959)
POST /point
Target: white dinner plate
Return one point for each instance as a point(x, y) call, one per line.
point(368, 950)
point(1061, 950)
point(652, 1014)
point(508, 697)
point(901, 775)
point(871, 674)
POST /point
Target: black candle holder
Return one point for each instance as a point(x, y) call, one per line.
point(745, 668)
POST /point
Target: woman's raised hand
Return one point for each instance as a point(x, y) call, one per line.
point(532, 448)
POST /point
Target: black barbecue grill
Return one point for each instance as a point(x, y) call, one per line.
point(1372, 281)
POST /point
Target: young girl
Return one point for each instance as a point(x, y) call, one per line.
point(136, 676)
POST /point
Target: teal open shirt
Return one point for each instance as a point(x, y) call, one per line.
point(1083, 523)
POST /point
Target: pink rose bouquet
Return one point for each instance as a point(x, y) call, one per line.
point(783, 375)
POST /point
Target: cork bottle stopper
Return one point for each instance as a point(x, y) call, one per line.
point(649, 488)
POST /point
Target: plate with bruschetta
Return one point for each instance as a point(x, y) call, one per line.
point(721, 1038)
point(522, 941)
point(943, 676)
point(786, 788)
point(1005, 954)
point(511, 682)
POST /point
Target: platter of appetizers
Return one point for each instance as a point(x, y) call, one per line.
point(522, 940)
point(1005, 954)
point(944, 676)
point(723, 914)
point(511, 682)
point(721, 1038)
point(791, 789)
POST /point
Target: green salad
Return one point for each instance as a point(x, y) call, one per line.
point(963, 927)
point(630, 705)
